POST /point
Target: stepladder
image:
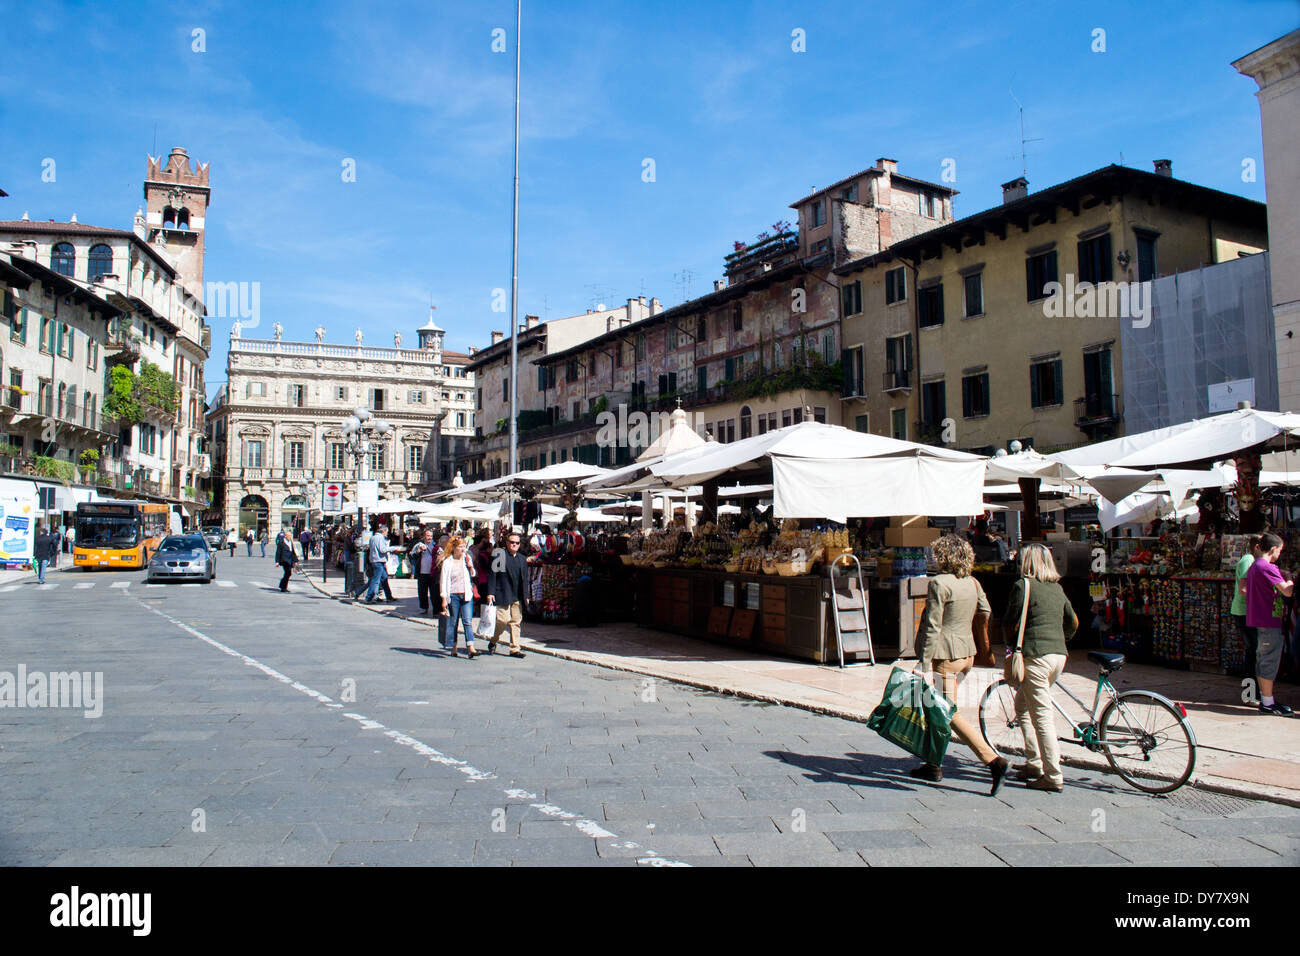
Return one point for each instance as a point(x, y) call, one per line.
point(850, 611)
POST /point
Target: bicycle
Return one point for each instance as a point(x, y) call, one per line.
point(1151, 758)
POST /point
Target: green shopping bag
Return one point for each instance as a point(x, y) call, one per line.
point(915, 716)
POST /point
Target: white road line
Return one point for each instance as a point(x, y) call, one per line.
point(121, 584)
point(590, 827)
point(10, 587)
point(225, 584)
point(84, 585)
point(192, 584)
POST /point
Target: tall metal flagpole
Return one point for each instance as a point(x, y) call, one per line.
point(514, 276)
point(514, 268)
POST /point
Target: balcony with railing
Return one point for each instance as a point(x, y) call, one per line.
point(898, 381)
point(32, 408)
point(1097, 411)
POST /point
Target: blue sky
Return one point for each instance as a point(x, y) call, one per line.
point(737, 123)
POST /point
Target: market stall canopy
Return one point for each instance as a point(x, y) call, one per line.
point(560, 471)
point(827, 471)
point(1203, 439)
point(460, 510)
point(1029, 464)
point(476, 489)
point(1141, 507)
point(397, 506)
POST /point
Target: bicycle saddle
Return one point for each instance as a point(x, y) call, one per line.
point(1107, 662)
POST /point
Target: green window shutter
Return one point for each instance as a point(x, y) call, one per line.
point(730, 369)
point(1051, 267)
point(1035, 393)
point(967, 403)
point(846, 374)
point(1060, 385)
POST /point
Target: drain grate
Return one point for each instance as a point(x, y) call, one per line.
point(1220, 804)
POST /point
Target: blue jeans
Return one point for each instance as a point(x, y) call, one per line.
point(41, 565)
point(460, 611)
point(378, 573)
point(263, 544)
point(250, 548)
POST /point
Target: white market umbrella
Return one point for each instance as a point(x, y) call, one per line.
point(1203, 439)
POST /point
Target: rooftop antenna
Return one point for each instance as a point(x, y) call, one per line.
point(682, 284)
point(1024, 171)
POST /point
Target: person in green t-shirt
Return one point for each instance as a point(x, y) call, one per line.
point(1249, 635)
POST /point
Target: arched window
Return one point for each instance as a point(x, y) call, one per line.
point(169, 218)
point(63, 259)
point(100, 262)
point(746, 422)
point(183, 219)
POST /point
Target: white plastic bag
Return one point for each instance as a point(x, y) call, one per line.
point(486, 626)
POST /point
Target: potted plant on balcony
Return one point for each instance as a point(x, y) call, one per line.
point(89, 464)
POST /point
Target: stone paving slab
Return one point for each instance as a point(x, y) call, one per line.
point(1252, 755)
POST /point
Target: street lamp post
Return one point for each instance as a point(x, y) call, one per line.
point(363, 432)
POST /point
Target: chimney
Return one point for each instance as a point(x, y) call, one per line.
point(888, 165)
point(25, 219)
point(473, 350)
point(600, 307)
point(1018, 188)
point(642, 300)
point(717, 285)
point(497, 336)
point(530, 321)
point(656, 306)
point(74, 218)
point(1164, 167)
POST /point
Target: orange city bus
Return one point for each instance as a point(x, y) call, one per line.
point(118, 534)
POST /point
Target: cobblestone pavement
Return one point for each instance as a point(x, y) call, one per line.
point(241, 726)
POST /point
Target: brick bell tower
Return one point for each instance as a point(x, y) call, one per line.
point(176, 199)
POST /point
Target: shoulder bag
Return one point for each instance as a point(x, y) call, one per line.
point(1014, 668)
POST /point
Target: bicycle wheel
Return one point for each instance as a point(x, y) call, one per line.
point(998, 721)
point(1147, 741)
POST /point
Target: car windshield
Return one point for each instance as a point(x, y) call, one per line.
point(187, 543)
point(105, 531)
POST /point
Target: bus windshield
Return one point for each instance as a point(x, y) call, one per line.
point(107, 531)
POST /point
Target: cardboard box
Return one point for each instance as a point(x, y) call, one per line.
point(914, 537)
point(908, 521)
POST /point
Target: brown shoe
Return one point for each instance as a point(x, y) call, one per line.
point(927, 771)
point(1042, 783)
point(1024, 772)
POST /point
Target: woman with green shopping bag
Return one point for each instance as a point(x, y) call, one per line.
point(946, 645)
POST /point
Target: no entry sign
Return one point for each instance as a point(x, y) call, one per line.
point(333, 497)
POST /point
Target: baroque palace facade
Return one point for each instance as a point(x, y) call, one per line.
point(277, 426)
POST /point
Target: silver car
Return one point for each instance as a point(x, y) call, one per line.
point(183, 556)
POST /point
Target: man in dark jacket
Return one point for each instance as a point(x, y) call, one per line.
point(285, 557)
point(506, 583)
point(45, 547)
